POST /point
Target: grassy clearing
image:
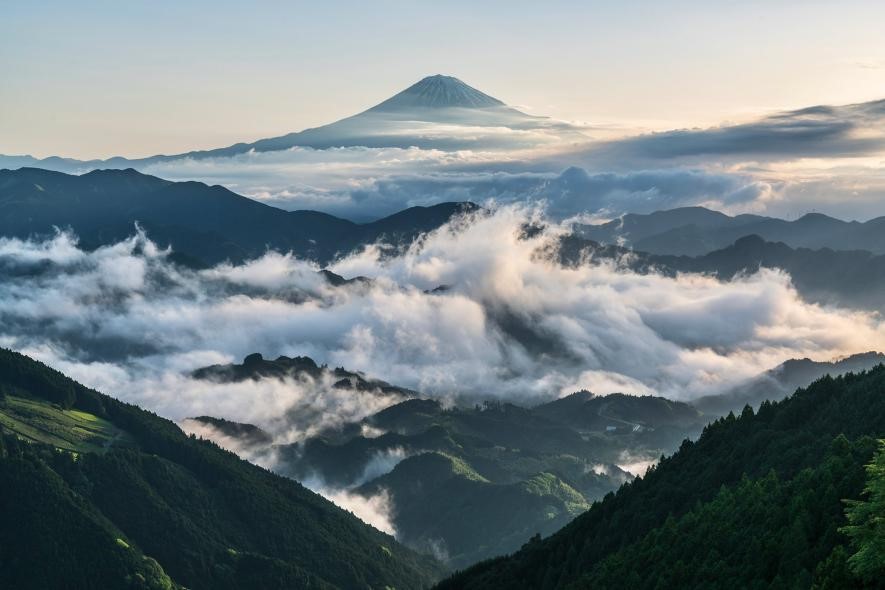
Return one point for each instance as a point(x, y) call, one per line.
point(69, 430)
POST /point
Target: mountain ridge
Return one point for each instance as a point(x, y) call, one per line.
point(847, 278)
point(694, 231)
point(159, 509)
point(206, 224)
point(434, 99)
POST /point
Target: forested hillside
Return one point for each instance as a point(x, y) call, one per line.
point(756, 502)
point(470, 483)
point(113, 496)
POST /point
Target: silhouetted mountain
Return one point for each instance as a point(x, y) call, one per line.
point(400, 121)
point(852, 278)
point(617, 411)
point(96, 493)
point(437, 92)
point(465, 484)
point(246, 433)
point(204, 224)
point(784, 379)
point(693, 231)
point(256, 367)
point(757, 502)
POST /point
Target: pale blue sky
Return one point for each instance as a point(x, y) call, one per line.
point(92, 78)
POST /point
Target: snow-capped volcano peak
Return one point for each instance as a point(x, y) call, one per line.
point(438, 92)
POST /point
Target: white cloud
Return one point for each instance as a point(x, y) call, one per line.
point(374, 510)
point(511, 325)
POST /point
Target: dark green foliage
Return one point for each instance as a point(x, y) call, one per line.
point(209, 519)
point(74, 430)
point(866, 523)
point(22, 374)
point(444, 506)
point(51, 537)
point(756, 502)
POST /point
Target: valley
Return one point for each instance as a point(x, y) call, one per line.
point(442, 296)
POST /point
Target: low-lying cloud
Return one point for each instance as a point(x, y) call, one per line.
point(511, 323)
point(365, 182)
point(508, 324)
point(823, 158)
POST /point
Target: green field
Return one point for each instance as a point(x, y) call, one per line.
point(69, 430)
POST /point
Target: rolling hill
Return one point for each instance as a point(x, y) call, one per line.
point(782, 380)
point(100, 494)
point(695, 231)
point(755, 502)
point(467, 482)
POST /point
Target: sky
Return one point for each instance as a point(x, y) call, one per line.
point(89, 79)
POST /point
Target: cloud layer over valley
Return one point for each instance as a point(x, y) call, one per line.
point(822, 158)
point(473, 311)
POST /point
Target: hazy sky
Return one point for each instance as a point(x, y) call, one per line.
point(95, 79)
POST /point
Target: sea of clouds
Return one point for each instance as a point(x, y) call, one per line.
point(475, 310)
point(509, 322)
point(829, 159)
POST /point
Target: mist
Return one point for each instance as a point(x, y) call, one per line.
point(507, 323)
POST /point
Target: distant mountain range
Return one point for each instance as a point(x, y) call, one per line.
point(850, 278)
point(401, 121)
point(693, 231)
point(204, 224)
point(96, 493)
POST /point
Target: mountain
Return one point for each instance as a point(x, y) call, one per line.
point(97, 493)
point(468, 482)
point(694, 231)
point(660, 419)
point(472, 483)
point(756, 502)
point(256, 367)
point(403, 120)
point(437, 92)
point(780, 381)
point(204, 224)
point(851, 278)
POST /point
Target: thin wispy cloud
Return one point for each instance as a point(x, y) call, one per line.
point(786, 163)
